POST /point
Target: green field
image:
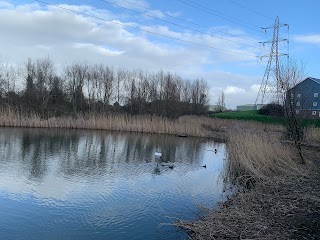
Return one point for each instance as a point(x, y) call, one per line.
point(255, 116)
point(250, 116)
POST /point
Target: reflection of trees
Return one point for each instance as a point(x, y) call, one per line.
point(86, 153)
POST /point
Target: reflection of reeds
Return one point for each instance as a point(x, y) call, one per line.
point(256, 155)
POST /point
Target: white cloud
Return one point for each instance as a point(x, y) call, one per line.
point(174, 14)
point(6, 4)
point(36, 31)
point(97, 49)
point(230, 90)
point(28, 7)
point(312, 38)
point(156, 14)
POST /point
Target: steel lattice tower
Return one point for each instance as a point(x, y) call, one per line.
point(271, 84)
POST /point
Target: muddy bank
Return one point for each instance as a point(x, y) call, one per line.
point(286, 207)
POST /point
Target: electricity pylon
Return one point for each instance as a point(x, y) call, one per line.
point(271, 83)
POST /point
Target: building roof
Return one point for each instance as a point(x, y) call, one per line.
point(317, 80)
point(250, 105)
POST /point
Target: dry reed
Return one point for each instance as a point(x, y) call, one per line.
point(188, 125)
point(254, 155)
point(283, 207)
point(313, 135)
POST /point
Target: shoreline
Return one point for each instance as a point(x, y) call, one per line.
point(235, 219)
point(283, 207)
point(189, 125)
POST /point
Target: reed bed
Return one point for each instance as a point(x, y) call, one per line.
point(190, 125)
point(281, 207)
point(313, 135)
point(255, 154)
point(279, 196)
point(186, 125)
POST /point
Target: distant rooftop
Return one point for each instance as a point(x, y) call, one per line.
point(315, 79)
point(251, 105)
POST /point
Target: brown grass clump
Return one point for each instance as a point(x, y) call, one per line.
point(286, 208)
point(283, 207)
point(283, 204)
point(313, 135)
point(254, 155)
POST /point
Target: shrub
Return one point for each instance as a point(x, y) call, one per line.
point(272, 109)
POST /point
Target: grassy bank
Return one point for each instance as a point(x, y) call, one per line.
point(256, 117)
point(249, 116)
point(278, 198)
point(187, 125)
point(257, 155)
point(285, 207)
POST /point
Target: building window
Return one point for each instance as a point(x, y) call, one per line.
point(298, 104)
point(314, 113)
point(316, 94)
point(315, 104)
point(299, 95)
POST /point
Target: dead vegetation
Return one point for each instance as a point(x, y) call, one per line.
point(285, 200)
point(278, 198)
point(284, 208)
point(116, 122)
point(312, 135)
point(187, 125)
point(255, 154)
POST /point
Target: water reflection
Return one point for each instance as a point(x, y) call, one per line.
point(93, 153)
point(77, 184)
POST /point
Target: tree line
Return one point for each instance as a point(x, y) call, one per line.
point(82, 88)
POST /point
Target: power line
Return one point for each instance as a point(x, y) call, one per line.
point(143, 30)
point(221, 15)
point(255, 4)
point(179, 25)
point(186, 21)
point(252, 10)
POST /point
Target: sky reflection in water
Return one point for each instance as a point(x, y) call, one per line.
point(74, 184)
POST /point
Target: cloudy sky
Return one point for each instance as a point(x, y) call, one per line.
point(214, 40)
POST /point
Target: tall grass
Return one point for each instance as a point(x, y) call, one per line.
point(255, 155)
point(187, 125)
point(312, 135)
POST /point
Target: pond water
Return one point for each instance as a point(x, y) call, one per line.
point(76, 184)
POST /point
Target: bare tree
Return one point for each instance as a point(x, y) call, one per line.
point(289, 76)
point(76, 75)
point(199, 96)
point(108, 78)
point(221, 102)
